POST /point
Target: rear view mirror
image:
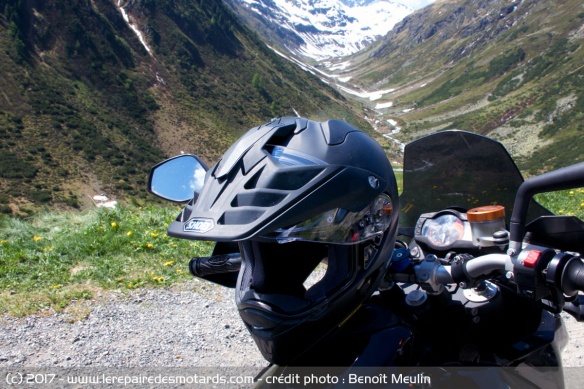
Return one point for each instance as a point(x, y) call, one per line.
point(178, 179)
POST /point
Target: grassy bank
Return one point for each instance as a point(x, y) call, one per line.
point(55, 258)
point(565, 202)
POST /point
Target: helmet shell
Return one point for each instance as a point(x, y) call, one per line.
point(249, 192)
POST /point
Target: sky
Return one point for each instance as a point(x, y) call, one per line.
point(415, 4)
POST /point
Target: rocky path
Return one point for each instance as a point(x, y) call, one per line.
point(192, 325)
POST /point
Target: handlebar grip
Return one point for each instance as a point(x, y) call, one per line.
point(573, 277)
point(216, 264)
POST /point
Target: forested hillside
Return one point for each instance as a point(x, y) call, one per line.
point(93, 93)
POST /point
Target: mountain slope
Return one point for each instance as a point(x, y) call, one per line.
point(94, 93)
point(323, 28)
point(509, 69)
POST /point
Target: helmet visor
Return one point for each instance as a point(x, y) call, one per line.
point(340, 226)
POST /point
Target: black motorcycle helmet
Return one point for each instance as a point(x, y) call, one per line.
point(295, 194)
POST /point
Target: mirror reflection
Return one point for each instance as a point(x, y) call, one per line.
point(178, 179)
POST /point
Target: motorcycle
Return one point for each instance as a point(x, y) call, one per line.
point(475, 286)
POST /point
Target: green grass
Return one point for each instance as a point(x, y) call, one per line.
point(54, 258)
point(565, 202)
point(399, 177)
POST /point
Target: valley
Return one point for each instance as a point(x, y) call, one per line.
point(507, 69)
point(93, 94)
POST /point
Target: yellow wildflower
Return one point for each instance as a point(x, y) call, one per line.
point(57, 286)
point(113, 224)
point(169, 263)
point(149, 245)
point(129, 233)
point(3, 242)
point(154, 235)
point(36, 238)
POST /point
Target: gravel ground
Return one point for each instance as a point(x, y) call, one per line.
point(192, 325)
point(151, 327)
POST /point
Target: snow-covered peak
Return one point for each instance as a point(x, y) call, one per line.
point(331, 28)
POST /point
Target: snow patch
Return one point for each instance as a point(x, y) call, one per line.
point(372, 96)
point(338, 66)
point(333, 28)
point(389, 104)
point(133, 27)
point(395, 129)
point(102, 201)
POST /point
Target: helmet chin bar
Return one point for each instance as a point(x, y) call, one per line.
point(273, 317)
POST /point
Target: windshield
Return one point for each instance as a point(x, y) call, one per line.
point(457, 169)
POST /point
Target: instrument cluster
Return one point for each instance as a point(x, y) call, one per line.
point(446, 230)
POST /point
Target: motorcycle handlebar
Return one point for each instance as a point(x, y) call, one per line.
point(567, 275)
point(216, 264)
point(572, 279)
point(430, 271)
point(486, 264)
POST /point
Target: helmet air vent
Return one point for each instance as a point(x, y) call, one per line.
point(257, 199)
point(240, 216)
point(292, 179)
point(291, 157)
